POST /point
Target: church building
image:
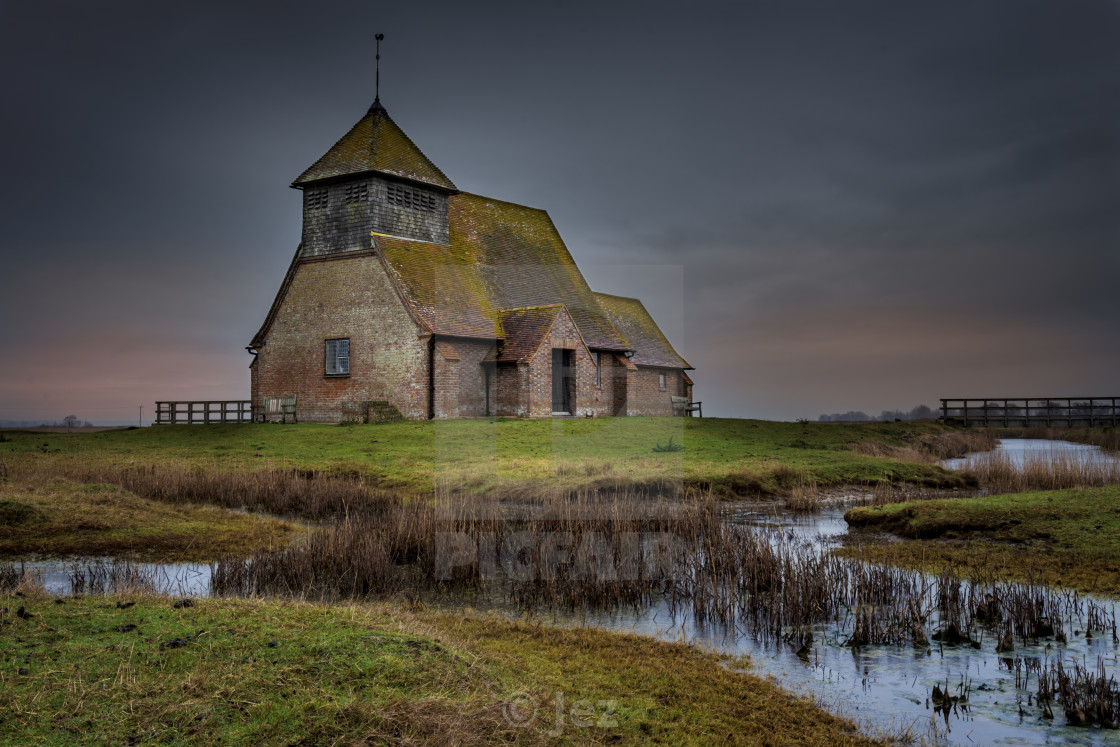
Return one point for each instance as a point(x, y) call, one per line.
point(407, 293)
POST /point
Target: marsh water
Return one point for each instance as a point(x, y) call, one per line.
point(1021, 450)
point(885, 688)
point(888, 688)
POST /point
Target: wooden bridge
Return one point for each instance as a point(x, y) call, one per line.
point(1046, 412)
point(192, 413)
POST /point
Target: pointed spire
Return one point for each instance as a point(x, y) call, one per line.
point(377, 80)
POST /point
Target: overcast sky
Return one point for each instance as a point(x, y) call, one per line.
point(827, 205)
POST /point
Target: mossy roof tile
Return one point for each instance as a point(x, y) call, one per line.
point(525, 263)
point(630, 318)
point(375, 143)
point(524, 329)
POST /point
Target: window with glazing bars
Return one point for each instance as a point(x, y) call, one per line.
point(338, 357)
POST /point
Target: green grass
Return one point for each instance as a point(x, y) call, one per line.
point(726, 455)
point(255, 672)
point(1065, 537)
point(59, 517)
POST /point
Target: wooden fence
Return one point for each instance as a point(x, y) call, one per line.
point(1034, 411)
point(180, 413)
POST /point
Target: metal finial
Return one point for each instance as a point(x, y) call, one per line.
point(377, 92)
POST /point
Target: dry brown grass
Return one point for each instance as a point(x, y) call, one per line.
point(1051, 471)
point(931, 448)
point(805, 497)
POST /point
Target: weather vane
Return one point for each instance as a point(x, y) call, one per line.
point(377, 90)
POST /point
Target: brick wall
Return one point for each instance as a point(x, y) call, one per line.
point(512, 390)
point(645, 395)
point(344, 224)
point(340, 297)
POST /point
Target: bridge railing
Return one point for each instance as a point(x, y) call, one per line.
point(1032, 411)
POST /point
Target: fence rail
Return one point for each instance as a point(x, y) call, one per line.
point(193, 413)
point(1033, 411)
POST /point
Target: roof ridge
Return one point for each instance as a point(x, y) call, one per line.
point(535, 306)
point(615, 295)
point(405, 238)
point(464, 193)
point(380, 111)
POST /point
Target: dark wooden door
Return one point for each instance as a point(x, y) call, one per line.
point(562, 380)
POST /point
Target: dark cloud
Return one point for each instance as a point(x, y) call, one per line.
point(834, 205)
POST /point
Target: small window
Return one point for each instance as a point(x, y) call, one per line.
point(357, 192)
point(661, 381)
point(338, 357)
point(317, 198)
point(599, 370)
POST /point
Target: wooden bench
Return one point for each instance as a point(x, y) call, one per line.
point(683, 407)
point(273, 407)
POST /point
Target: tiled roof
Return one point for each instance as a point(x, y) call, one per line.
point(501, 256)
point(630, 318)
point(444, 285)
point(524, 329)
point(375, 143)
point(524, 262)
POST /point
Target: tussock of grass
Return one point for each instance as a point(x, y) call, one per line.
point(59, 517)
point(1068, 537)
point(805, 498)
point(253, 672)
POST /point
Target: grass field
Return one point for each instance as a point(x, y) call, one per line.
point(1066, 537)
point(254, 672)
point(743, 457)
point(59, 517)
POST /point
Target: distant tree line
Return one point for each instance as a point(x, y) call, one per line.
point(70, 421)
point(921, 412)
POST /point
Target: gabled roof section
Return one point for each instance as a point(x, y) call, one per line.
point(524, 328)
point(375, 143)
point(630, 318)
point(523, 262)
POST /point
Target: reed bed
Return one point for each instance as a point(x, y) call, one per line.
point(805, 497)
point(113, 578)
point(595, 553)
point(11, 577)
point(931, 448)
point(1088, 696)
point(1050, 471)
